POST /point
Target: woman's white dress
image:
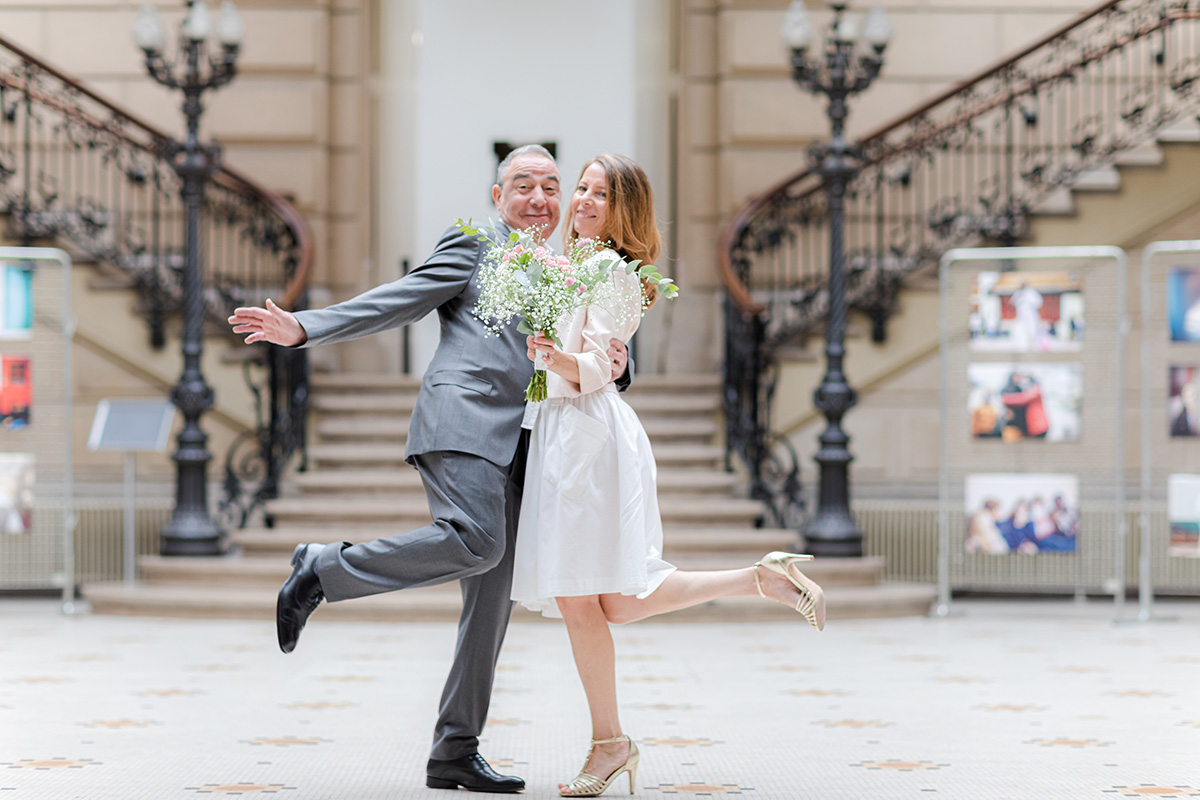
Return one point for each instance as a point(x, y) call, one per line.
point(589, 518)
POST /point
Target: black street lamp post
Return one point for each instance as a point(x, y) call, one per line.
point(191, 531)
point(848, 64)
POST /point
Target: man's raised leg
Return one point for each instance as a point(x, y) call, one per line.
point(467, 496)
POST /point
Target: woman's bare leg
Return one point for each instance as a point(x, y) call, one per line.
point(686, 589)
point(595, 657)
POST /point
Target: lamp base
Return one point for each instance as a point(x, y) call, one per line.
point(833, 534)
point(191, 533)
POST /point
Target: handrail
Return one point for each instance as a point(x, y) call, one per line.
point(75, 166)
point(733, 285)
point(226, 176)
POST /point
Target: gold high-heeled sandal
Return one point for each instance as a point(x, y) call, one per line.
point(585, 785)
point(811, 603)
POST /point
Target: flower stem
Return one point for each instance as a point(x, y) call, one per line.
point(536, 390)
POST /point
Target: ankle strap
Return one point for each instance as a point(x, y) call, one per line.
point(621, 738)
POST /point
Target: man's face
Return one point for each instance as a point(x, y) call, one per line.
point(530, 195)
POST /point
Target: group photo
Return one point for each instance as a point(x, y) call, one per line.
point(1021, 513)
point(658, 398)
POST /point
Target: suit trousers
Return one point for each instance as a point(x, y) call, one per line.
point(475, 506)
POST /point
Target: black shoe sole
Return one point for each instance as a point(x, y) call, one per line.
point(442, 783)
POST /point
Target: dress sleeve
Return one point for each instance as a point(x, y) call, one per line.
point(601, 326)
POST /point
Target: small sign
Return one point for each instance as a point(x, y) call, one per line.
point(132, 423)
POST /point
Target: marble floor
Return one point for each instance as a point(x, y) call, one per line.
point(1005, 700)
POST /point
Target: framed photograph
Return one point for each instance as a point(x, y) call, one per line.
point(1026, 312)
point(16, 392)
point(1025, 402)
point(16, 301)
point(1021, 513)
point(1183, 401)
point(1183, 514)
point(1183, 304)
point(16, 493)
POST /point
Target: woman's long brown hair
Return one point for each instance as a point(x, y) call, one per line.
point(630, 226)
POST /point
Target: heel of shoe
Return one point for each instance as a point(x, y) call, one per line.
point(439, 783)
point(631, 766)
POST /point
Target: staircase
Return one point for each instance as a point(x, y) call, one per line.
point(80, 172)
point(358, 488)
point(1016, 154)
point(1120, 204)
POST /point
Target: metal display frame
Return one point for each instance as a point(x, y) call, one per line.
point(1000, 255)
point(155, 419)
point(1146, 581)
point(69, 517)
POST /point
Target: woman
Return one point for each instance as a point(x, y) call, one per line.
point(589, 540)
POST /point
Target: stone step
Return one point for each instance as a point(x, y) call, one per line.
point(396, 480)
point(1185, 131)
point(443, 603)
point(364, 403)
point(358, 382)
point(394, 427)
point(406, 480)
point(1101, 179)
point(1146, 154)
point(677, 538)
point(376, 455)
point(393, 402)
point(361, 382)
point(412, 512)
point(270, 571)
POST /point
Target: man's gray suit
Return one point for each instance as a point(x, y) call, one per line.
point(465, 438)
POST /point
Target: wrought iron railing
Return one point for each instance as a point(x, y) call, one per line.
point(77, 169)
point(969, 166)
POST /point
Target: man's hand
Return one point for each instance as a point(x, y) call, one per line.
point(271, 324)
point(619, 358)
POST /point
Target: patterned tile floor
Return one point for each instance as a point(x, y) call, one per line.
point(1009, 701)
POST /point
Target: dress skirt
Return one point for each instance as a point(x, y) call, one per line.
point(589, 517)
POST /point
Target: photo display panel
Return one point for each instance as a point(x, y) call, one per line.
point(35, 419)
point(1170, 418)
point(1031, 495)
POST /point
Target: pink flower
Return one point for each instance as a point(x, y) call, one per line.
point(539, 253)
point(518, 250)
point(570, 281)
point(563, 261)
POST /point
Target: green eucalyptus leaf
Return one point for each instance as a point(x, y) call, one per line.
point(523, 327)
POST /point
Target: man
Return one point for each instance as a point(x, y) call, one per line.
point(1027, 328)
point(466, 440)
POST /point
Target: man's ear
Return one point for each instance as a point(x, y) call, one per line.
point(496, 195)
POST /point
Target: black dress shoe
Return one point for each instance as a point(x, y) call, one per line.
point(470, 772)
point(299, 597)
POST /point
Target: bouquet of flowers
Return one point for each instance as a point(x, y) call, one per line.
point(522, 278)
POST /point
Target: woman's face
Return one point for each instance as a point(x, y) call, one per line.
point(589, 203)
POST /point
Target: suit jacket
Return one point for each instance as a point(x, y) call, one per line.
point(472, 396)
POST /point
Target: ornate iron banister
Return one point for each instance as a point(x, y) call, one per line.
point(968, 166)
point(77, 168)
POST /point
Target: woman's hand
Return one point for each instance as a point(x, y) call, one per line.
point(556, 360)
point(271, 324)
point(619, 356)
